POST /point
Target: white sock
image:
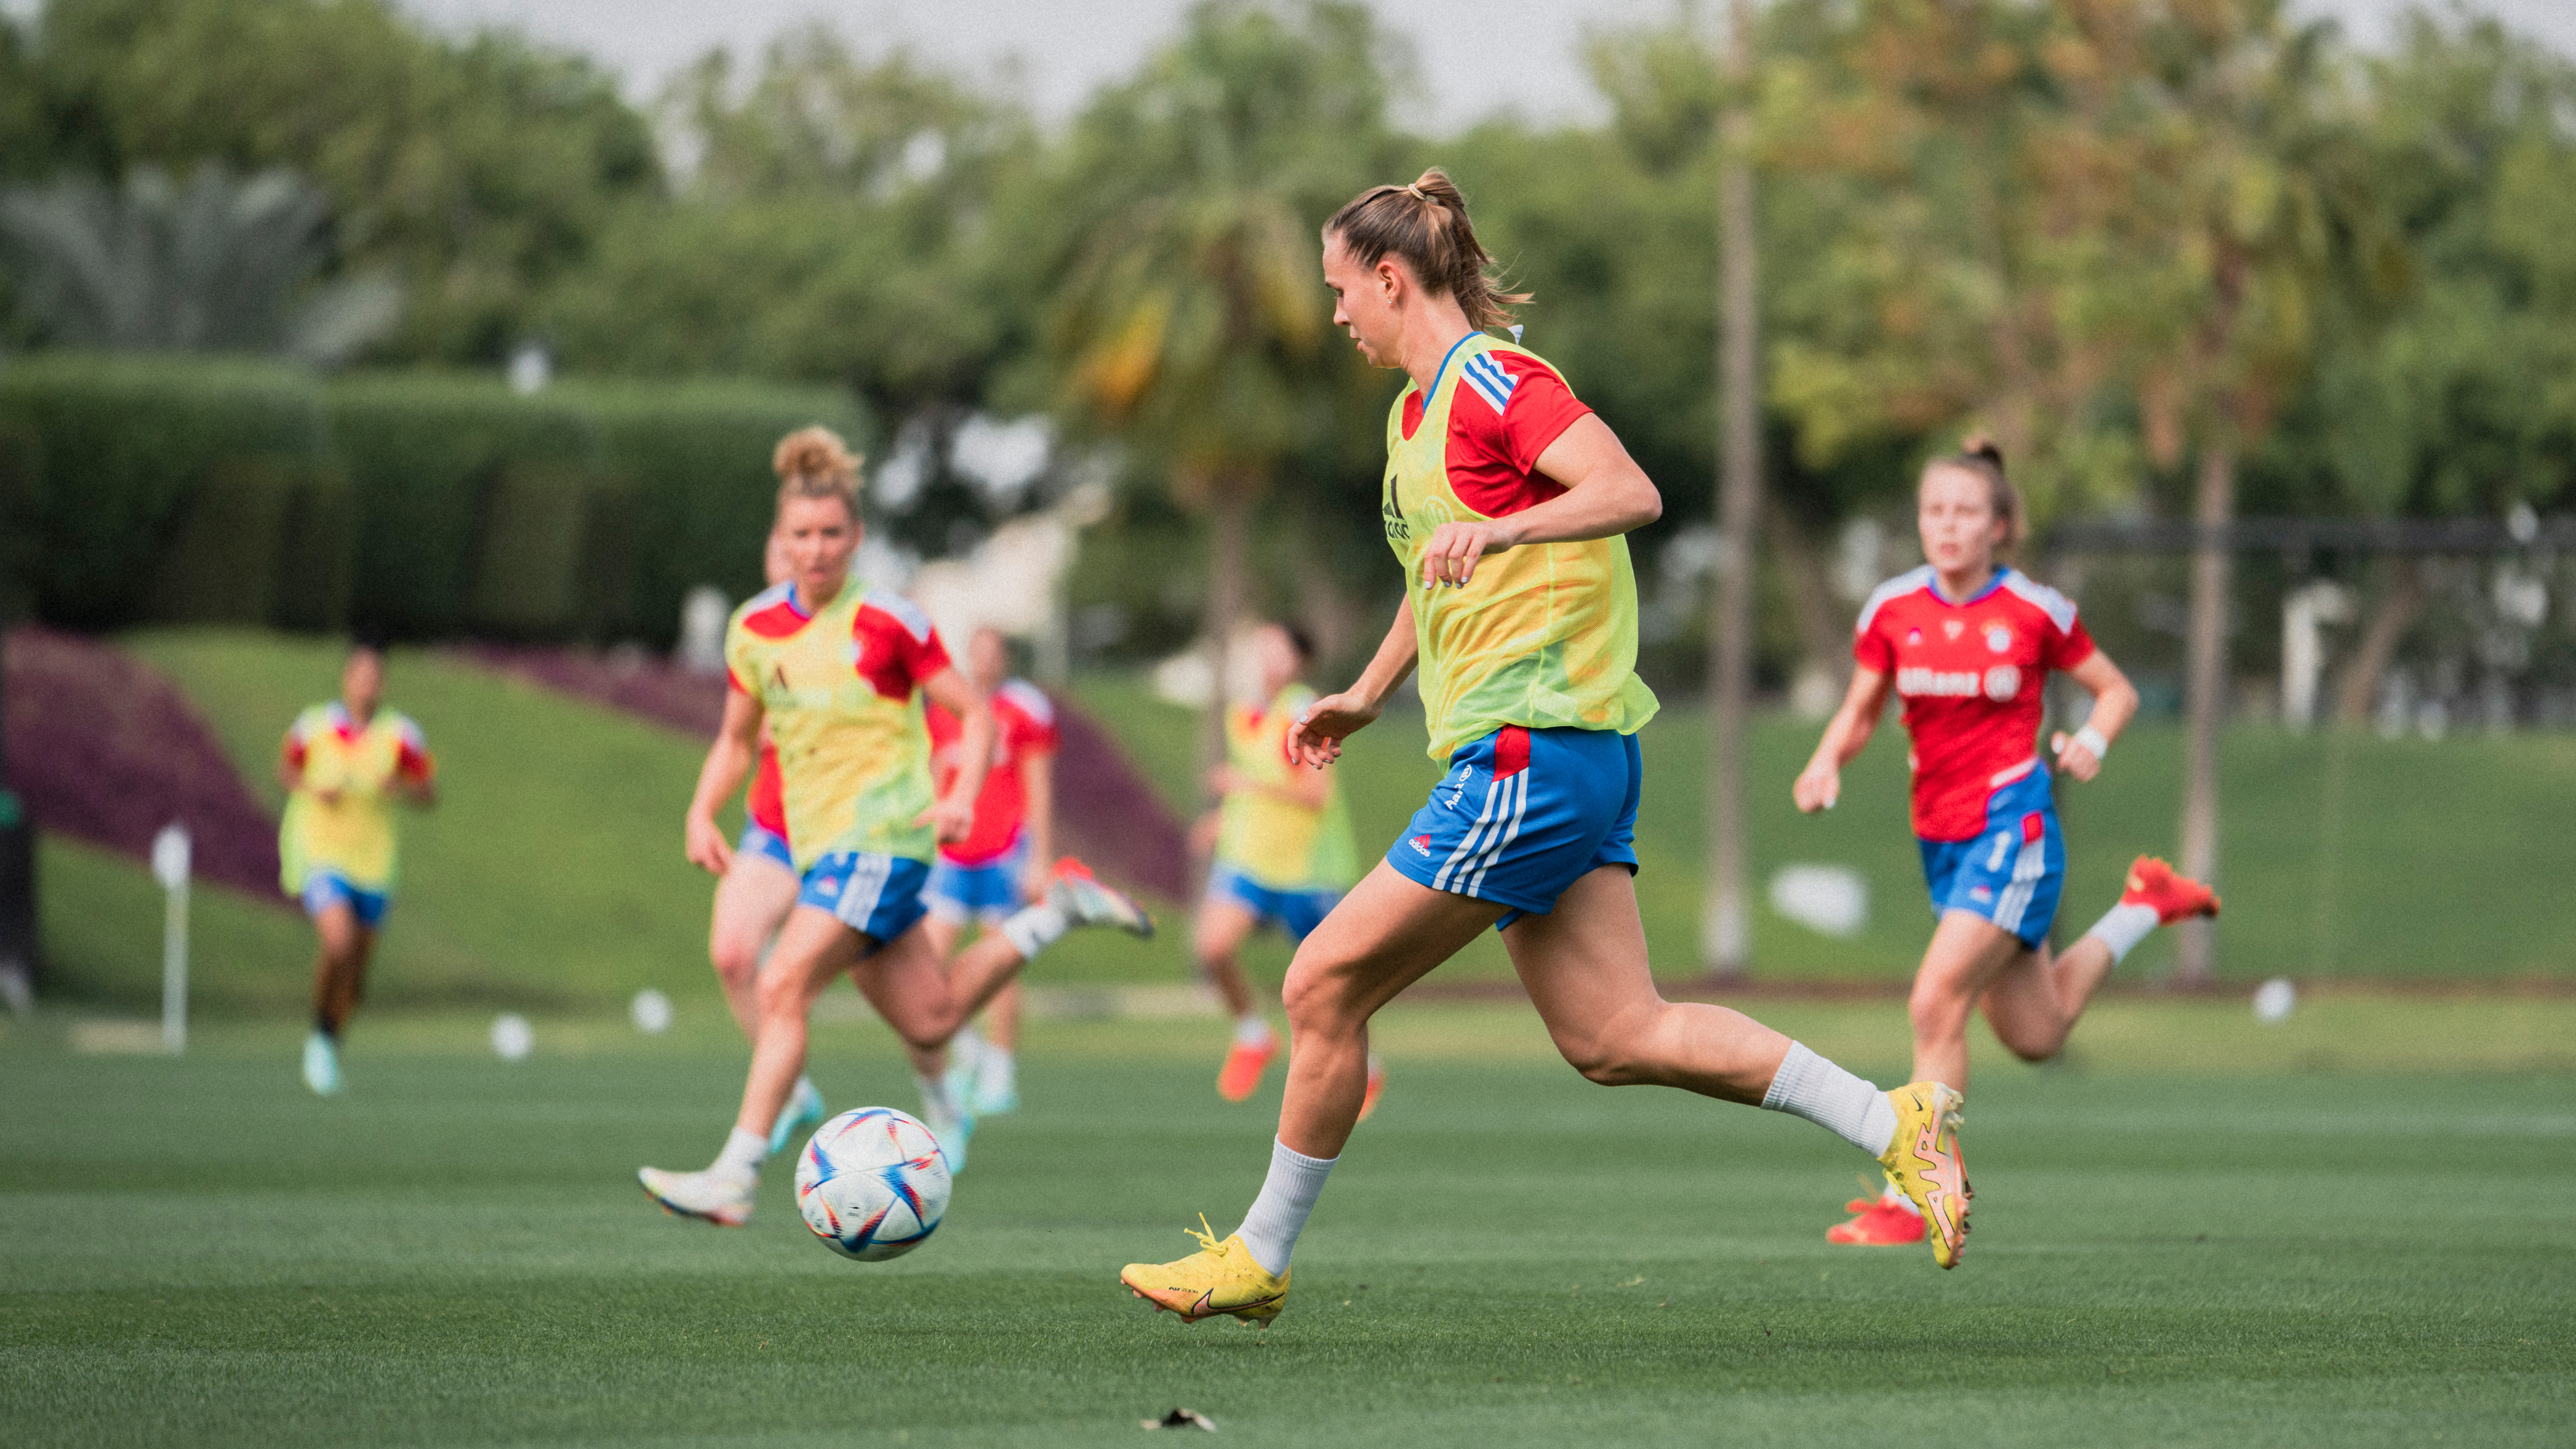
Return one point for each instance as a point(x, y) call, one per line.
point(741, 1156)
point(935, 1099)
point(966, 1049)
point(1252, 1030)
point(1270, 1230)
point(2122, 927)
point(998, 1074)
point(1894, 1196)
point(1032, 929)
point(1809, 1086)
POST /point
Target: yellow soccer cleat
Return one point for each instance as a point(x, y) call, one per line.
point(1924, 1162)
point(1218, 1278)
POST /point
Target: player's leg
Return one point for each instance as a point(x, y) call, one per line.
point(752, 902)
point(1218, 930)
point(1968, 953)
point(813, 947)
point(997, 1085)
point(1387, 934)
point(339, 962)
point(2034, 1003)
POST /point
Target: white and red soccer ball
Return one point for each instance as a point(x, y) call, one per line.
point(872, 1184)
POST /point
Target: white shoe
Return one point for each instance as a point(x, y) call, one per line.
point(803, 1112)
point(720, 1198)
point(1089, 901)
point(322, 1065)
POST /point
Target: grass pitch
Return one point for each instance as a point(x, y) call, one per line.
point(195, 1251)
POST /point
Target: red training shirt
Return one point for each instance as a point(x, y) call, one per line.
point(1023, 725)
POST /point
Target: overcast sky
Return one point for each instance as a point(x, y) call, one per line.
point(1475, 57)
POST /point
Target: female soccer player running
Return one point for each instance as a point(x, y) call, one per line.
point(343, 766)
point(1283, 853)
point(753, 899)
point(838, 672)
point(1505, 501)
point(1968, 644)
point(1005, 860)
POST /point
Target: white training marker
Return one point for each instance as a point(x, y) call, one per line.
point(512, 1037)
point(652, 1012)
point(2274, 999)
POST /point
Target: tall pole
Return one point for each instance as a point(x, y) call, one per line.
point(2204, 701)
point(1726, 936)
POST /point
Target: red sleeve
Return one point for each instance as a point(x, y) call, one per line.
point(1507, 409)
point(292, 752)
point(413, 761)
point(897, 647)
point(1872, 651)
point(2068, 647)
point(1027, 719)
point(733, 682)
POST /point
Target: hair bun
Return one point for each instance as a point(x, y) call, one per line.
point(1978, 445)
point(814, 452)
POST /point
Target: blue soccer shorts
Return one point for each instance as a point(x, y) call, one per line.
point(986, 892)
point(878, 896)
point(1523, 814)
point(324, 889)
point(1297, 913)
point(2013, 871)
point(768, 844)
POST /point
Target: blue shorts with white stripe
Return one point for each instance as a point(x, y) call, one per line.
point(2012, 871)
point(1523, 814)
point(878, 896)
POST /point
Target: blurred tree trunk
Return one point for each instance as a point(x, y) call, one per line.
point(1726, 936)
point(1823, 624)
point(2205, 699)
point(2390, 618)
point(1229, 523)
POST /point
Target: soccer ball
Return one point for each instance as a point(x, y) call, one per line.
point(872, 1184)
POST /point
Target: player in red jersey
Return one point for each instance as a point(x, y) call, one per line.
point(1006, 860)
point(1968, 644)
point(753, 898)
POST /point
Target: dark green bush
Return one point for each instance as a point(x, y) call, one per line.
point(124, 447)
point(420, 504)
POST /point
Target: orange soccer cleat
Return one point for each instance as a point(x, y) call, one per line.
point(2175, 897)
point(1376, 1085)
point(1877, 1223)
point(1245, 1062)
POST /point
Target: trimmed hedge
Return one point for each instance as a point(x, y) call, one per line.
point(169, 489)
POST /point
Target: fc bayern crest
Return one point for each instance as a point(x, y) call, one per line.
point(1998, 638)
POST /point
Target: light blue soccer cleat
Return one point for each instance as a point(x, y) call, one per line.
point(322, 1065)
point(803, 1113)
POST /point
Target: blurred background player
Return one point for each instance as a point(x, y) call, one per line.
point(344, 765)
point(1506, 502)
point(837, 673)
point(1005, 861)
point(753, 898)
point(1282, 852)
point(1968, 644)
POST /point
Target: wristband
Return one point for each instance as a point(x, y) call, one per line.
point(2091, 739)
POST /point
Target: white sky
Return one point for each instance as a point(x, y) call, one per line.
point(1475, 57)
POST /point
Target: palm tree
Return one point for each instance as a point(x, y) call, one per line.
point(2241, 201)
point(1189, 320)
point(221, 263)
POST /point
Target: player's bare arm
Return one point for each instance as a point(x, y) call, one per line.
point(953, 814)
point(1606, 494)
point(1315, 739)
point(1846, 735)
point(1037, 780)
point(737, 744)
point(2115, 703)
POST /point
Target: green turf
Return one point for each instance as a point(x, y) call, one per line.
point(550, 876)
point(195, 1252)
